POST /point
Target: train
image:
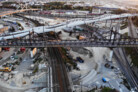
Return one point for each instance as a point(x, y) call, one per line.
point(11, 21)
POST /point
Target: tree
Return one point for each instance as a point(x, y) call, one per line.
point(107, 89)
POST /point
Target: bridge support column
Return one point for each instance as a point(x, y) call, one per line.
point(111, 55)
point(106, 24)
point(99, 11)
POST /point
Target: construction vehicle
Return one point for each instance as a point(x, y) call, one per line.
point(5, 69)
point(82, 37)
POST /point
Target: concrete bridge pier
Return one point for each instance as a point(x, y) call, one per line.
point(111, 55)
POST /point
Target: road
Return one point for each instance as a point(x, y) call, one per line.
point(125, 67)
point(25, 64)
point(6, 55)
point(60, 78)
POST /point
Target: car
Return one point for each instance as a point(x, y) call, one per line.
point(80, 59)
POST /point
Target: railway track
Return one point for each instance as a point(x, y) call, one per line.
point(135, 80)
point(125, 67)
point(53, 64)
point(59, 71)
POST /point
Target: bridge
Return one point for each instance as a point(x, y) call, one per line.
point(16, 39)
point(70, 43)
point(70, 23)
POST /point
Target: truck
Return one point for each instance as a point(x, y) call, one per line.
point(80, 59)
point(22, 49)
point(77, 28)
point(14, 57)
point(6, 48)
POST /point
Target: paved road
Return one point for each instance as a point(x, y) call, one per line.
point(6, 55)
point(3, 89)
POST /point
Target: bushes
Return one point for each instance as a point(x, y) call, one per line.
point(65, 57)
point(124, 25)
point(118, 11)
point(38, 60)
point(135, 21)
point(61, 5)
point(134, 56)
point(107, 89)
point(35, 70)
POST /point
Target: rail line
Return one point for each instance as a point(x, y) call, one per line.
point(59, 71)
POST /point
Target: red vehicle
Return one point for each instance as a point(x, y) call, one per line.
point(6, 48)
point(22, 49)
